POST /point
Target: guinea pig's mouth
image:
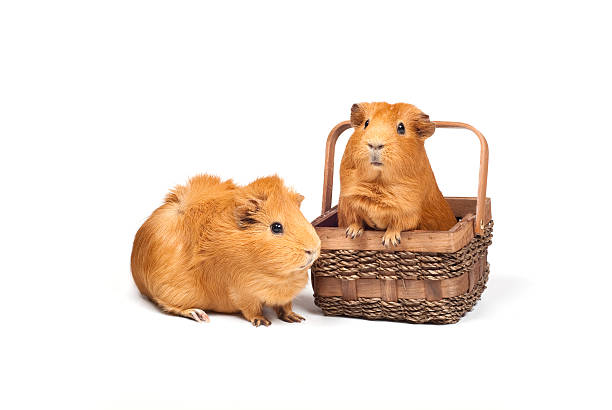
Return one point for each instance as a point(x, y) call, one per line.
point(309, 262)
point(306, 265)
point(375, 159)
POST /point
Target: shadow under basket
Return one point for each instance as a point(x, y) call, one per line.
point(430, 277)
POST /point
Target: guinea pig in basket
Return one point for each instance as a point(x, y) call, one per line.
point(217, 246)
point(386, 181)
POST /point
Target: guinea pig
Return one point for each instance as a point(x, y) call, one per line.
point(218, 246)
point(386, 181)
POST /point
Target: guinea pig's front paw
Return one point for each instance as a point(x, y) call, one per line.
point(260, 320)
point(391, 238)
point(353, 231)
point(290, 317)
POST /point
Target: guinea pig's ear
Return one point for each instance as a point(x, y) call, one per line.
point(358, 115)
point(298, 198)
point(423, 127)
point(246, 210)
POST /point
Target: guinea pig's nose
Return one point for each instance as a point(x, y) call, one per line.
point(375, 146)
point(311, 253)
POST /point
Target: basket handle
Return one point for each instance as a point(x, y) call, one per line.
point(330, 148)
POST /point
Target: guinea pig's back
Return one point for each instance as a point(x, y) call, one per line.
point(163, 248)
point(157, 251)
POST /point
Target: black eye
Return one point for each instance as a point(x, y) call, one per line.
point(276, 228)
point(400, 128)
point(366, 124)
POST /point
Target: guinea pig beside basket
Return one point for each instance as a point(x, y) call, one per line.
point(217, 246)
point(386, 181)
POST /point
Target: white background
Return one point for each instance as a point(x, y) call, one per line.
point(106, 105)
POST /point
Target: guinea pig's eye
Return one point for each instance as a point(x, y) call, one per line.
point(276, 228)
point(366, 124)
point(400, 128)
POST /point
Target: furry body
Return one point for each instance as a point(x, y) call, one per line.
point(386, 181)
point(210, 246)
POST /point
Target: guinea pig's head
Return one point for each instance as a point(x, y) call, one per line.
point(274, 230)
point(388, 139)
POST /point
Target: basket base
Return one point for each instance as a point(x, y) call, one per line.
point(443, 311)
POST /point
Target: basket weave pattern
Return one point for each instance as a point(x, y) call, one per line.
point(405, 265)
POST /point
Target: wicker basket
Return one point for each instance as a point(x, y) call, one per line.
point(431, 277)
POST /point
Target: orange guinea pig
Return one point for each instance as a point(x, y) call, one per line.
point(217, 246)
point(386, 181)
